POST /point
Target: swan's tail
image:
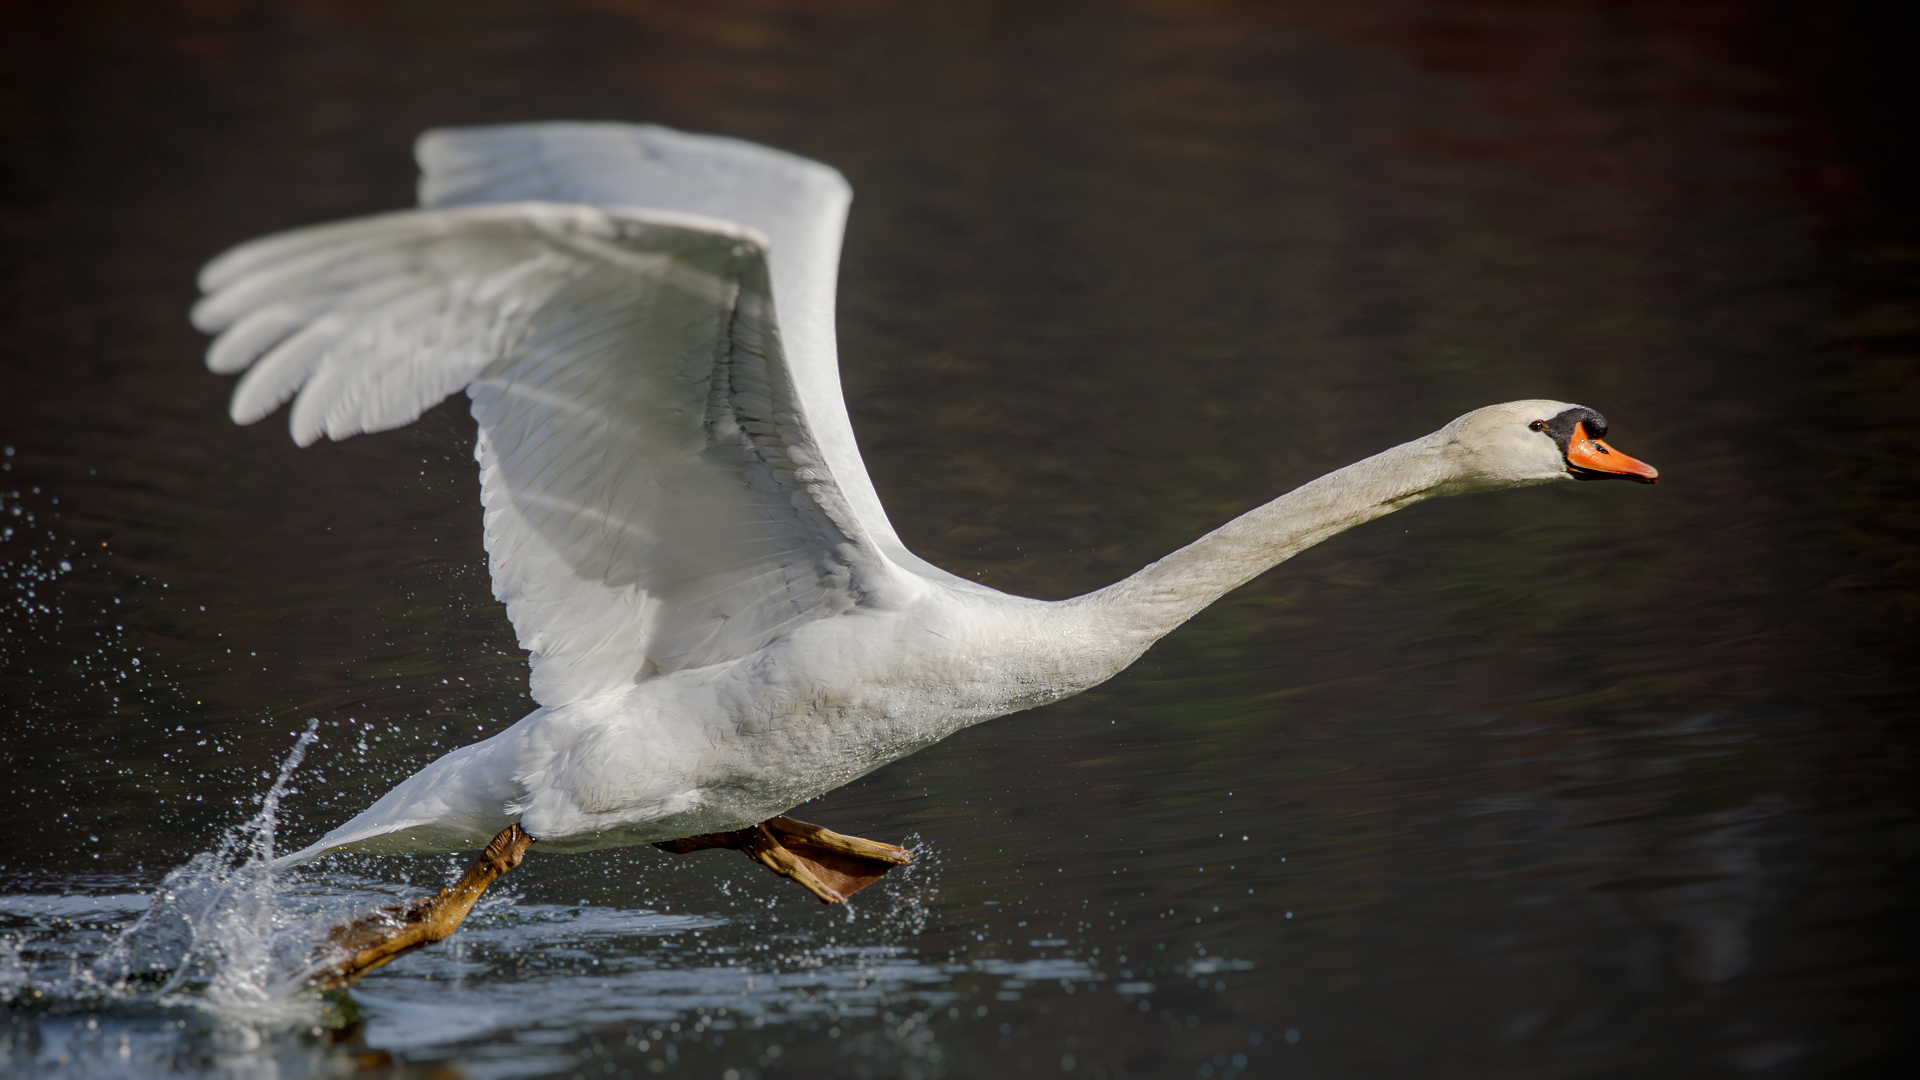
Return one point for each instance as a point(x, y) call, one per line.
point(457, 803)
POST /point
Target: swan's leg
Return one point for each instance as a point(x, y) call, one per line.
point(827, 864)
point(374, 939)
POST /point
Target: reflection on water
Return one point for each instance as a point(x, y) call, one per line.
point(1576, 781)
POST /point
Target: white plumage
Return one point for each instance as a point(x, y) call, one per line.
point(721, 621)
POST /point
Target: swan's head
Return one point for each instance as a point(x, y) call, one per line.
point(1533, 442)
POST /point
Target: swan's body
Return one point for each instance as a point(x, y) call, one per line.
point(722, 622)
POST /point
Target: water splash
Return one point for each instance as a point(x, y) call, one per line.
point(13, 971)
point(208, 979)
point(905, 896)
point(221, 933)
point(209, 976)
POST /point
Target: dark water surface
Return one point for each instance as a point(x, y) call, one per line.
point(1595, 780)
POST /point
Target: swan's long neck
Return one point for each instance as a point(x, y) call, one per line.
point(1169, 592)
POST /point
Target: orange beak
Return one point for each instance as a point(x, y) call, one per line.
point(1590, 459)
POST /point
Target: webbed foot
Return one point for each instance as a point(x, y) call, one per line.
point(830, 865)
point(374, 939)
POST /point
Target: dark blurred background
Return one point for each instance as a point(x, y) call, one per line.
point(1576, 781)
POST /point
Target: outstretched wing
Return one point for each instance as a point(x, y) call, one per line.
point(800, 206)
point(655, 497)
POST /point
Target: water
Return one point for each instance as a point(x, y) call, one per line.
point(1592, 780)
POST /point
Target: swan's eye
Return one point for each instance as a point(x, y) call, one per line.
point(1537, 425)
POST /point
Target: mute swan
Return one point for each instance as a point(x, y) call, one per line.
point(721, 621)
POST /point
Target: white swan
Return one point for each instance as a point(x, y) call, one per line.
point(721, 621)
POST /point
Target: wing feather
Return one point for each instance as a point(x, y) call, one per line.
point(800, 206)
point(654, 498)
